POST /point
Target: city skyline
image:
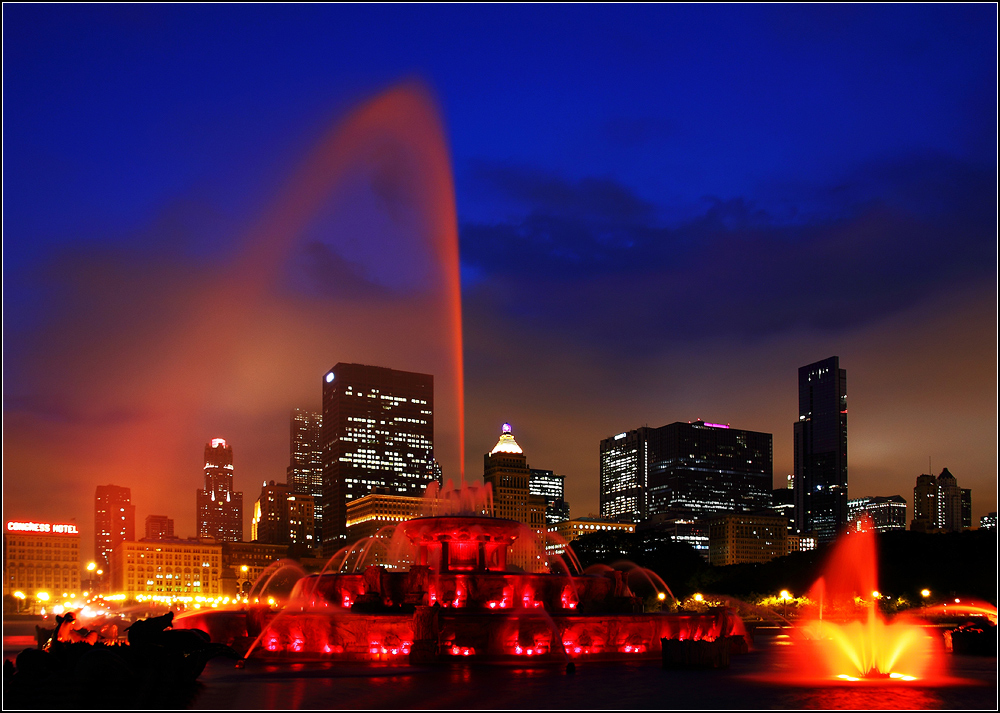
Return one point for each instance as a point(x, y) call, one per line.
point(631, 253)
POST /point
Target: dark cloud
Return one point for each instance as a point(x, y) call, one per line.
point(595, 199)
point(869, 246)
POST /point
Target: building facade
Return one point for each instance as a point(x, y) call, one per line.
point(692, 531)
point(625, 475)
point(305, 467)
point(551, 487)
point(570, 530)
point(886, 513)
point(783, 503)
point(376, 513)
point(939, 505)
point(684, 470)
point(244, 563)
point(737, 538)
point(159, 527)
point(820, 449)
point(506, 471)
point(114, 520)
point(167, 568)
point(802, 542)
point(282, 517)
point(220, 507)
point(377, 431)
point(41, 557)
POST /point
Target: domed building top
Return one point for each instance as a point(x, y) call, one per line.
point(506, 444)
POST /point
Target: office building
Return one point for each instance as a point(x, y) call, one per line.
point(305, 467)
point(802, 542)
point(625, 475)
point(684, 470)
point(282, 517)
point(886, 513)
point(939, 505)
point(690, 530)
point(966, 508)
point(988, 521)
point(506, 471)
point(168, 568)
point(737, 538)
point(551, 487)
point(114, 520)
point(377, 513)
point(570, 530)
point(159, 527)
point(41, 557)
point(783, 503)
point(220, 507)
point(377, 431)
point(820, 449)
point(243, 563)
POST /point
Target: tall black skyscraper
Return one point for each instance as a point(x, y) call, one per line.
point(305, 466)
point(821, 449)
point(684, 469)
point(378, 431)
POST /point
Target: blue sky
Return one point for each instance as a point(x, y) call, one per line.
point(646, 196)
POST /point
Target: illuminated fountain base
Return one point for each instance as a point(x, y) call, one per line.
point(458, 601)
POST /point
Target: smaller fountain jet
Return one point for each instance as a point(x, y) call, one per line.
point(851, 640)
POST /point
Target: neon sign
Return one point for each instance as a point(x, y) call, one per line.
point(47, 527)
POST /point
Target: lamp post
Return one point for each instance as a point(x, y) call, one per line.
point(40, 597)
point(245, 578)
point(784, 595)
point(19, 596)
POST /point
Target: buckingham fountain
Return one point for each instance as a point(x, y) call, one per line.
point(449, 585)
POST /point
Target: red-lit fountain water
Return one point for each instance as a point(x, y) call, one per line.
point(461, 598)
point(847, 638)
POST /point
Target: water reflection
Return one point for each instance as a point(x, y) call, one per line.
point(868, 698)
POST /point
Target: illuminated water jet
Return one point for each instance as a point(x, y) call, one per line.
point(849, 639)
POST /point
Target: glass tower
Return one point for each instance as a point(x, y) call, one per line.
point(821, 449)
point(305, 467)
point(684, 469)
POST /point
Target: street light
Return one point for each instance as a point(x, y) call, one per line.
point(20, 597)
point(784, 595)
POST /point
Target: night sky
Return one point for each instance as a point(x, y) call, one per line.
point(662, 211)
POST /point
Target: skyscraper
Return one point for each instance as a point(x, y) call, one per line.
point(684, 469)
point(378, 431)
point(505, 469)
point(114, 520)
point(886, 513)
point(821, 449)
point(625, 475)
point(282, 517)
point(220, 508)
point(939, 505)
point(305, 467)
point(552, 487)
